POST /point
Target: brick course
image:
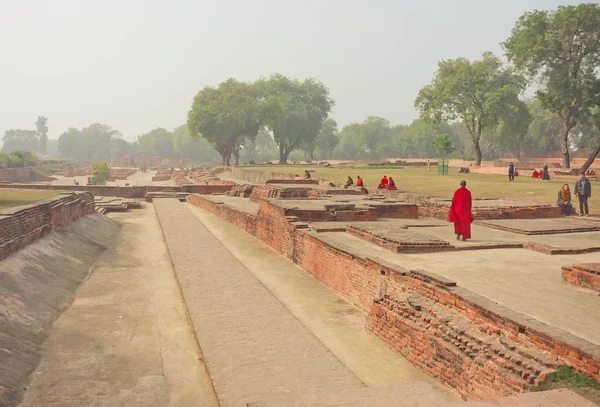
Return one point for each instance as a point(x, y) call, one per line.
point(361, 280)
point(584, 275)
point(23, 225)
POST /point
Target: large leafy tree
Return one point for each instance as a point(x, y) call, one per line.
point(442, 143)
point(41, 124)
point(513, 127)
point(195, 149)
point(93, 142)
point(376, 136)
point(562, 49)
point(22, 140)
point(294, 111)
point(157, 142)
point(327, 139)
point(226, 116)
point(472, 91)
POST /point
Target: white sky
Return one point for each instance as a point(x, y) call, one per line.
point(136, 65)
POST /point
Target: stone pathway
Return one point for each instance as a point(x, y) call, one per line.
point(254, 347)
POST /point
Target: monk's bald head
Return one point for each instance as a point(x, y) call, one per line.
point(463, 183)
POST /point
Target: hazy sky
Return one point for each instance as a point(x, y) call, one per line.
point(136, 65)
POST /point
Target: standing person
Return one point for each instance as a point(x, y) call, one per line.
point(545, 174)
point(460, 212)
point(428, 165)
point(511, 172)
point(583, 191)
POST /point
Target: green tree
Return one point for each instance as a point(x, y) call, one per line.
point(93, 142)
point(327, 139)
point(4, 160)
point(293, 111)
point(196, 150)
point(562, 49)
point(20, 140)
point(41, 124)
point(120, 146)
point(349, 146)
point(474, 92)
point(376, 136)
point(513, 127)
point(442, 143)
point(100, 173)
point(157, 142)
point(225, 116)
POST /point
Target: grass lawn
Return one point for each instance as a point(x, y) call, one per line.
point(419, 180)
point(16, 197)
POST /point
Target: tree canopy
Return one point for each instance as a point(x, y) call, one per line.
point(20, 140)
point(226, 116)
point(328, 139)
point(562, 49)
point(293, 111)
point(472, 91)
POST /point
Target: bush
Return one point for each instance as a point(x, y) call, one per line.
point(100, 173)
point(4, 160)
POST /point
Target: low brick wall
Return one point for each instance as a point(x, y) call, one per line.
point(239, 218)
point(584, 275)
point(123, 192)
point(260, 177)
point(23, 225)
point(476, 365)
point(301, 181)
point(165, 177)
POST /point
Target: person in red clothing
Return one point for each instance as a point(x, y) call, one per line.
point(359, 181)
point(391, 184)
point(534, 174)
point(383, 183)
point(460, 212)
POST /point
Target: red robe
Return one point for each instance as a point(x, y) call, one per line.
point(460, 212)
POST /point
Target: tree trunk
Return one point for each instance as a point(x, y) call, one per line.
point(590, 159)
point(283, 155)
point(236, 156)
point(477, 153)
point(564, 143)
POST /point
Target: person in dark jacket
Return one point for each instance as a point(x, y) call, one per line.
point(511, 172)
point(583, 191)
point(564, 200)
point(349, 182)
point(545, 174)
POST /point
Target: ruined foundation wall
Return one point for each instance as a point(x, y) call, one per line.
point(583, 275)
point(259, 177)
point(529, 349)
point(122, 192)
point(37, 283)
point(239, 218)
point(23, 225)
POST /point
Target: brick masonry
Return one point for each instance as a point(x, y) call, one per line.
point(23, 225)
point(122, 192)
point(362, 281)
point(584, 275)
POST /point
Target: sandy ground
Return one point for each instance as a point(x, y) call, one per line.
point(126, 340)
point(137, 178)
point(336, 323)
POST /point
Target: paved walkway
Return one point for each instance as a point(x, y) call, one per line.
point(254, 347)
point(126, 339)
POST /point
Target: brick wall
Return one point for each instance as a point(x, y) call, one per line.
point(260, 177)
point(123, 192)
point(239, 218)
point(22, 225)
point(584, 275)
point(528, 349)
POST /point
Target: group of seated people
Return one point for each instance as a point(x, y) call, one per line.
point(463, 170)
point(590, 172)
point(385, 183)
point(542, 174)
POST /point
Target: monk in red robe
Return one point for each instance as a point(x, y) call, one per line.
point(460, 212)
point(534, 174)
point(383, 183)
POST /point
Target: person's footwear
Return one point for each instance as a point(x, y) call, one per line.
point(581, 214)
point(458, 237)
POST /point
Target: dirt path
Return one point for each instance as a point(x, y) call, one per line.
point(126, 340)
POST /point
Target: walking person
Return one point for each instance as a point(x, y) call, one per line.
point(511, 172)
point(460, 212)
point(545, 173)
point(428, 165)
point(583, 191)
